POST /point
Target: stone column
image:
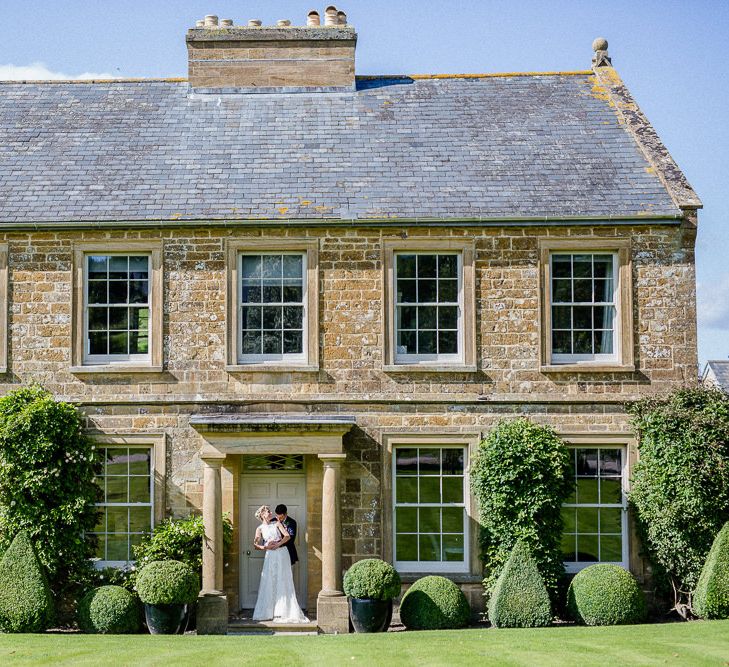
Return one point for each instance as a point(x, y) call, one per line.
point(212, 611)
point(332, 609)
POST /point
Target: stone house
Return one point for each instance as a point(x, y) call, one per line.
point(716, 374)
point(277, 281)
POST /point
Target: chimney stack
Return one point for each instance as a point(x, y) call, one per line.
point(260, 58)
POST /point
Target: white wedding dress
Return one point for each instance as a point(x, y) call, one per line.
point(276, 594)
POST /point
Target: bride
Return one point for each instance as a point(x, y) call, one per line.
point(276, 595)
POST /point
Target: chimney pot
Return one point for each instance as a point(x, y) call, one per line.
point(226, 23)
point(313, 18)
point(283, 23)
point(211, 21)
point(200, 23)
point(341, 18)
point(330, 16)
point(254, 23)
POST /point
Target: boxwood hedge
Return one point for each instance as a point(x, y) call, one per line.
point(109, 610)
point(372, 578)
point(432, 603)
point(711, 597)
point(168, 582)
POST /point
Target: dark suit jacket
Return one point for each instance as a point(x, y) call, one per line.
point(290, 525)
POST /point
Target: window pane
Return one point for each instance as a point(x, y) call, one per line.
point(407, 342)
point(429, 520)
point(98, 343)
point(568, 519)
point(561, 291)
point(603, 343)
point(118, 318)
point(140, 520)
point(427, 317)
point(452, 518)
point(98, 292)
point(98, 266)
point(427, 266)
point(610, 490)
point(611, 462)
point(116, 490)
point(448, 266)
point(429, 489)
point(611, 520)
point(453, 548)
point(427, 291)
point(272, 293)
point(427, 342)
point(587, 518)
point(406, 291)
point(293, 317)
point(582, 342)
point(587, 490)
point(139, 267)
point(406, 460)
point(447, 342)
point(406, 547)
point(292, 266)
point(407, 317)
point(293, 342)
point(405, 266)
point(407, 490)
point(117, 547)
point(561, 317)
point(100, 526)
point(453, 489)
point(252, 342)
point(561, 342)
point(603, 317)
point(293, 293)
point(603, 266)
point(448, 317)
point(429, 461)
point(611, 548)
point(98, 318)
point(587, 462)
point(272, 317)
point(139, 291)
point(272, 342)
point(582, 290)
point(568, 547)
point(453, 461)
point(118, 267)
point(271, 267)
point(251, 317)
point(251, 293)
point(117, 520)
point(139, 490)
point(587, 548)
point(119, 343)
point(138, 343)
point(101, 547)
point(118, 291)
point(251, 267)
point(582, 317)
point(429, 547)
point(406, 520)
point(117, 461)
point(582, 266)
point(447, 291)
point(562, 266)
point(139, 461)
point(604, 290)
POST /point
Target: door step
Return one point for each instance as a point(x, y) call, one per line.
point(249, 627)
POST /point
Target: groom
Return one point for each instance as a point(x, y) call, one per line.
point(290, 525)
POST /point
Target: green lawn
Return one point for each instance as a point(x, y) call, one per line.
point(697, 643)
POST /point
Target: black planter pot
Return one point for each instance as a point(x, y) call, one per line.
point(370, 615)
point(164, 619)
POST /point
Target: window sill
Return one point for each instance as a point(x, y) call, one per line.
point(588, 367)
point(271, 368)
point(430, 368)
point(115, 368)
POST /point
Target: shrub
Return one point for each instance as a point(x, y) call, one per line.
point(711, 598)
point(109, 610)
point(178, 539)
point(520, 598)
point(372, 578)
point(432, 603)
point(26, 603)
point(521, 477)
point(168, 582)
point(605, 595)
point(680, 485)
point(47, 483)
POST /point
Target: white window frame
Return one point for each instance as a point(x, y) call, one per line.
point(102, 563)
point(600, 358)
point(113, 359)
point(572, 567)
point(453, 567)
point(292, 358)
point(401, 358)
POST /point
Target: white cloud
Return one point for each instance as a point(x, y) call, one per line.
point(713, 303)
point(39, 72)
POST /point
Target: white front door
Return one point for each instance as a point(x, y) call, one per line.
point(270, 488)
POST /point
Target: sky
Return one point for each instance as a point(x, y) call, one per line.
point(672, 54)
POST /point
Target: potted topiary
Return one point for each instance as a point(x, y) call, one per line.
point(371, 584)
point(166, 587)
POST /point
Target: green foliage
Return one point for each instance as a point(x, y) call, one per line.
point(432, 603)
point(520, 477)
point(47, 483)
point(26, 602)
point(168, 582)
point(605, 595)
point(372, 578)
point(680, 485)
point(711, 597)
point(109, 610)
point(178, 539)
point(126, 577)
point(520, 598)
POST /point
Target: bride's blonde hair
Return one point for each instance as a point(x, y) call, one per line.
point(260, 511)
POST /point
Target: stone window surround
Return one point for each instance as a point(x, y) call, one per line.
point(236, 247)
point(467, 249)
point(4, 307)
point(624, 330)
point(152, 247)
point(470, 441)
point(629, 443)
point(157, 441)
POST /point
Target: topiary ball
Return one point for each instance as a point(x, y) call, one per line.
point(520, 598)
point(168, 582)
point(109, 610)
point(711, 597)
point(372, 579)
point(605, 595)
point(432, 603)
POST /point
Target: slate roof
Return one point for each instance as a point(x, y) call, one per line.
point(537, 145)
point(720, 371)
